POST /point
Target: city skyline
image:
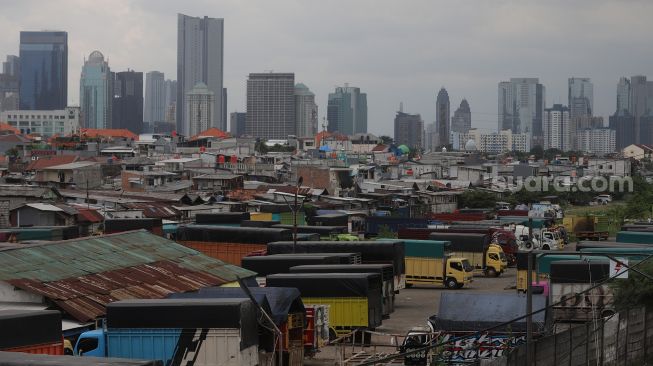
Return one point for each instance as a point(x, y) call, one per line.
point(306, 53)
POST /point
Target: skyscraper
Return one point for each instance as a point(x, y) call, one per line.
point(43, 70)
point(155, 97)
point(347, 111)
point(580, 97)
point(237, 123)
point(305, 111)
point(171, 101)
point(462, 118)
point(442, 117)
point(200, 49)
point(128, 101)
point(11, 66)
point(556, 128)
point(270, 105)
point(623, 95)
point(200, 107)
point(521, 106)
point(9, 83)
point(409, 129)
point(624, 124)
point(96, 92)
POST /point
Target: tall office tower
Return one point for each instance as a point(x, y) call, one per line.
point(624, 124)
point(96, 92)
point(442, 118)
point(641, 102)
point(579, 124)
point(462, 118)
point(431, 137)
point(200, 108)
point(580, 97)
point(11, 67)
point(305, 111)
point(270, 105)
point(155, 97)
point(237, 123)
point(224, 108)
point(521, 106)
point(200, 58)
point(596, 140)
point(408, 130)
point(170, 101)
point(623, 95)
point(347, 111)
point(9, 84)
point(43, 70)
point(128, 101)
point(556, 128)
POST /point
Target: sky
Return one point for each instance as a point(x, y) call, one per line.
point(395, 51)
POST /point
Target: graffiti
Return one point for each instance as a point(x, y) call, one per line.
point(572, 304)
point(478, 347)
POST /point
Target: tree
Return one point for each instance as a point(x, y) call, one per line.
point(387, 140)
point(636, 290)
point(386, 233)
point(538, 151)
point(476, 199)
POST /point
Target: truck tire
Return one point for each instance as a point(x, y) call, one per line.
point(491, 272)
point(528, 245)
point(450, 283)
point(546, 247)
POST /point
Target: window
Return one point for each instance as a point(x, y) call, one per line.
point(457, 266)
point(86, 345)
point(493, 256)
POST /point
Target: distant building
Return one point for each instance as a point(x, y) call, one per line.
point(641, 102)
point(45, 123)
point(347, 111)
point(409, 129)
point(442, 118)
point(154, 105)
point(624, 125)
point(43, 70)
point(271, 105)
point(128, 101)
point(11, 67)
point(646, 128)
point(237, 123)
point(462, 118)
point(557, 128)
point(96, 92)
point(170, 87)
point(580, 97)
point(200, 58)
point(200, 106)
point(599, 141)
point(581, 123)
point(521, 107)
point(305, 111)
point(623, 95)
point(9, 79)
point(494, 143)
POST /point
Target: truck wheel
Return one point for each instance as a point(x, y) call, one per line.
point(460, 285)
point(490, 272)
point(528, 245)
point(546, 247)
point(451, 283)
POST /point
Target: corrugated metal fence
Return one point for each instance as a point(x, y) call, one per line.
point(623, 339)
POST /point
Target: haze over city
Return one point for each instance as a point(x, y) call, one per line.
point(394, 51)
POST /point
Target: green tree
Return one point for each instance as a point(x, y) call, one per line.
point(387, 140)
point(386, 233)
point(636, 290)
point(476, 199)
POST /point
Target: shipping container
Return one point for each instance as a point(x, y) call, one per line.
point(568, 279)
point(281, 263)
point(31, 331)
point(637, 237)
point(17, 359)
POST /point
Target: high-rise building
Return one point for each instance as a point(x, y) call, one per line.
point(462, 118)
point(305, 111)
point(9, 83)
point(409, 129)
point(623, 95)
point(237, 123)
point(200, 107)
point(11, 66)
point(347, 111)
point(556, 128)
point(597, 140)
point(521, 107)
point(442, 118)
point(494, 143)
point(624, 125)
point(580, 97)
point(582, 123)
point(128, 101)
point(155, 97)
point(639, 103)
point(170, 101)
point(270, 105)
point(96, 92)
point(200, 58)
point(45, 123)
point(43, 70)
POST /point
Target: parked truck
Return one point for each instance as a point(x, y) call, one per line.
point(31, 331)
point(484, 257)
point(427, 262)
point(500, 236)
point(22, 359)
point(281, 263)
point(568, 279)
point(637, 237)
point(589, 227)
point(168, 330)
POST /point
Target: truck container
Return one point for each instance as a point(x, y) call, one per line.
point(428, 263)
point(221, 218)
point(323, 231)
point(258, 223)
point(354, 299)
point(168, 330)
point(385, 270)
point(502, 237)
point(281, 263)
point(588, 227)
point(153, 225)
point(637, 237)
point(476, 248)
point(522, 273)
point(518, 213)
point(568, 279)
point(374, 224)
point(373, 252)
point(229, 244)
point(587, 244)
point(635, 253)
point(544, 262)
point(31, 331)
point(457, 216)
point(22, 359)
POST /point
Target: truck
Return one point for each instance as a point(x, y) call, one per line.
point(374, 224)
point(484, 257)
point(354, 299)
point(504, 238)
point(542, 238)
point(372, 252)
point(637, 237)
point(385, 270)
point(588, 227)
point(281, 263)
point(31, 331)
point(568, 279)
point(168, 330)
point(22, 359)
point(427, 262)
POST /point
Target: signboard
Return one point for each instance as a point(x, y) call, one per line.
point(617, 269)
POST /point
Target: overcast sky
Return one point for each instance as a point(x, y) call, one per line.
point(399, 50)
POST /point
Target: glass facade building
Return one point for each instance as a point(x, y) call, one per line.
point(44, 70)
point(96, 92)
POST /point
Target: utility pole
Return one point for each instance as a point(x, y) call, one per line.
point(529, 299)
point(300, 180)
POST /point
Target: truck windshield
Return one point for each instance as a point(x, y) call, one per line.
point(467, 267)
point(502, 255)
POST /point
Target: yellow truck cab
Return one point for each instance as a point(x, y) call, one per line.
point(428, 264)
point(485, 257)
point(496, 261)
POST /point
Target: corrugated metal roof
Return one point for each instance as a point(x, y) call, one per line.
point(44, 207)
point(81, 276)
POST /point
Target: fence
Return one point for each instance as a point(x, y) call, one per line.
point(623, 339)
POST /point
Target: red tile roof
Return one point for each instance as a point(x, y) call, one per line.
point(89, 215)
point(50, 161)
point(109, 132)
point(8, 127)
point(211, 132)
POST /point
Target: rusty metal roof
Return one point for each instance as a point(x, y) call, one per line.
point(155, 210)
point(81, 276)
